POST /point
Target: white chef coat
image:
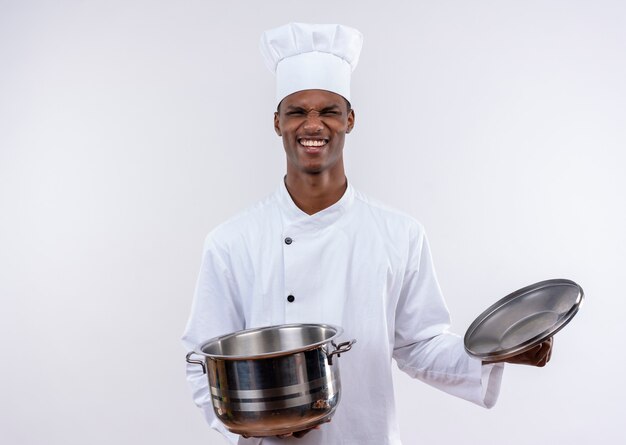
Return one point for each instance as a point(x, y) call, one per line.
point(357, 264)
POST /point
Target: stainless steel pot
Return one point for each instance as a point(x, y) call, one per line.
point(274, 380)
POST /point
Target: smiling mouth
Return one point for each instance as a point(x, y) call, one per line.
point(312, 145)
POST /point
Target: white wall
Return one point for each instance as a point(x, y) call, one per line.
point(128, 129)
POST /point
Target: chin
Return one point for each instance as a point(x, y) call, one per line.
point(313, 170)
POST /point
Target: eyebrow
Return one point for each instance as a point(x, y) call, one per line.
point(294, 108)
point(328, 108)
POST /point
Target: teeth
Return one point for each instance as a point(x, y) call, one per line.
point(312, 143)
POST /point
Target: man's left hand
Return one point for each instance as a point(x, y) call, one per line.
point(537, 356)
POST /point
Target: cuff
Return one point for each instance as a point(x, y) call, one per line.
point(490, 379)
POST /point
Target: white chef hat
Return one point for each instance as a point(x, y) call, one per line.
point(306, 56)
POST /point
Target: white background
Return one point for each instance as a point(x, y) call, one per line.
point(129, 129)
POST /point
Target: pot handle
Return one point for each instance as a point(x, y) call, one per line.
point(340, 349)
point(195, 362)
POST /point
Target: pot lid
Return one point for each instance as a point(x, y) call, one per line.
point(523, 319)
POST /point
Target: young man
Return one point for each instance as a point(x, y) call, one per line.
point(319, 251)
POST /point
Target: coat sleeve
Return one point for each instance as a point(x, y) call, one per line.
point(215, 311)
point(423, 348)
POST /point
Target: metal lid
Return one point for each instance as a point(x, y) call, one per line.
point(523, 319)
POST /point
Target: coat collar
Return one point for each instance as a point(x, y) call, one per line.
point(293, 215)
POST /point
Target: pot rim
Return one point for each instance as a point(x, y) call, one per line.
point(338, 331)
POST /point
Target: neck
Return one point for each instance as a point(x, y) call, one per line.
point(313, 193)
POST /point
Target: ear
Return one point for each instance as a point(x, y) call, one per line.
point(277, 124)
point(351, 118)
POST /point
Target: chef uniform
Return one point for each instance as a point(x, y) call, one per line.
point(357, 264)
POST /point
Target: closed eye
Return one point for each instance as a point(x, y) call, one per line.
point(332, 110)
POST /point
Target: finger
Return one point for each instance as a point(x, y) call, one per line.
point(551, 346)
point(546, 351)
point(547, 346)
point(530, 357)
point(534, 351)
point(299, 434)
point(541, 353)
point(545, 357)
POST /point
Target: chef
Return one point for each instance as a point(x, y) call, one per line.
point(318, 250)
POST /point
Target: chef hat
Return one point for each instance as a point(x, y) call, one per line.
point(306, 56)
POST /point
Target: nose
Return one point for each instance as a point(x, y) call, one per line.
point(313, 123)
